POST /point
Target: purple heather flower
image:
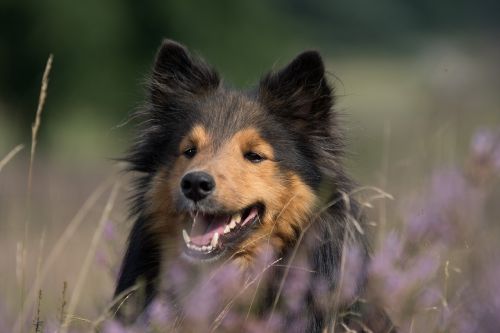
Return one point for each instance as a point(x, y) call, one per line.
point(429, 297)
point(101, 259)
point(397, 274)
point(321, 290)
point(160, 313)
point(202, 305)
point(352, 273)
point(423, 267)
point(485, 148)
point(450, 207)
point(496, 157)
point(109, 232)
point(296, 285)
point(212, 292)
point(116, 327)
point(488, 288)
point(383, 261)
point(177, 274)
point(483, 142)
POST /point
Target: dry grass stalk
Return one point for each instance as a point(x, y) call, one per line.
point(10, 156)
point(38, 323)
point(114, 306)
point(75, 297)
point(62, 314)
point(34, 132)
point(226, 309)
point(40, 254)
point(70, 230)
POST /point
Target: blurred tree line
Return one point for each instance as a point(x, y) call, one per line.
point(103, 49)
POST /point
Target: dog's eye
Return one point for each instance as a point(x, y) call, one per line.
point(254, 157)
point(190, 152)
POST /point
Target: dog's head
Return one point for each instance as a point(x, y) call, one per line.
point(225, 171)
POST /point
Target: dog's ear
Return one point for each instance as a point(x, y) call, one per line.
point(176, 73)
point(299, 93)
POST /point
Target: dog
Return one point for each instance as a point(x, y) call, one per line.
point(225, 178)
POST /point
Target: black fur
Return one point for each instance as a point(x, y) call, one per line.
point(141, 261)
point(294, 113)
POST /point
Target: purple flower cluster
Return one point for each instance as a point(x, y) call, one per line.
point(440, 272)
point(435, 275)
point(213, 299)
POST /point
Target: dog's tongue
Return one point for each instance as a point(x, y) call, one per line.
point(205, 226)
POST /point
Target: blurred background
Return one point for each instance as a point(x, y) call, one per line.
point(414, 80)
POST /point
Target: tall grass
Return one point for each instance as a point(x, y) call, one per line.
point(434, 268)
point(34, 132)
point(10, 156)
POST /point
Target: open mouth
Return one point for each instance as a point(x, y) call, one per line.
point(212, 234)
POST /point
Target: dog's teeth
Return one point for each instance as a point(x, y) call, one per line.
point(236, 218)
point(227, 229)
point(215, 239)
point(186, 237)
point(232, 225)
point(204, 248)
point(209, 248)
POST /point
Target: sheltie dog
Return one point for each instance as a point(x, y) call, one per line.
point(241, 205)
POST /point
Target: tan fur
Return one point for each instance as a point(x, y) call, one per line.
point(198, 137)
point(239, 184)
point(167, 222)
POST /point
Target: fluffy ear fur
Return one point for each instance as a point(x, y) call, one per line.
point(177, 74)
point(176, 83)
point(299, 93)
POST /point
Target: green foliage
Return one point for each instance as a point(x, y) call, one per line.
point(103, 49)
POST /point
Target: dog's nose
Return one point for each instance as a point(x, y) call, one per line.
point(197, 185)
